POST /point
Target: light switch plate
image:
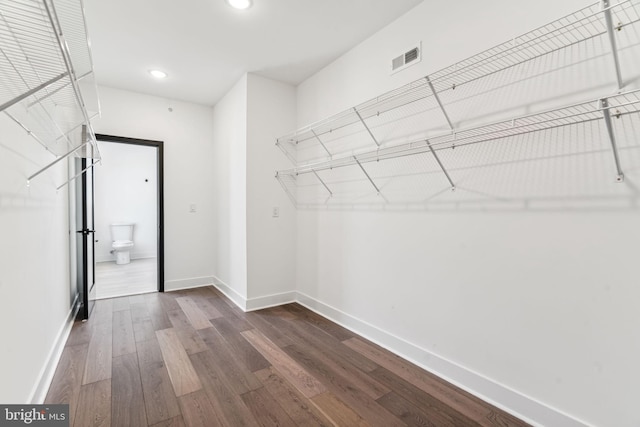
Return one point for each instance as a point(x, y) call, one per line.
point(276, 212)
point(192, 207)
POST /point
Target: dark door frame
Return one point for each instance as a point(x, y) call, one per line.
point(160, 159)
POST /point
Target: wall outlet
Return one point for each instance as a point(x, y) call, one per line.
point(192, 207)
point(276, 212)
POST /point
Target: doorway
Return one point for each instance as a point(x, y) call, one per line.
point(129, 220)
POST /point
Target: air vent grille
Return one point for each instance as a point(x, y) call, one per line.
point(409, 57)
point(412, 55)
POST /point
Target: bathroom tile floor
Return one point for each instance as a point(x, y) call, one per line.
point(139, 276)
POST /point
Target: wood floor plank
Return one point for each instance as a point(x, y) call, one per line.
point(221, 394)
point(197, 410)
point(266, 409)
point(173, 422)
point(334, 356)
point(427, 403)
point(121, 303)
point(263, 322)
point(300, 409)
point(139, 311)
point(423, 380)
point(333, 329)
point(156, 312)
point(239, 376)
point(181, 372)
point(99, 356)
point(410, 414)
point(244, 351)
point(238, 321)
point(94, 406)
point(123, 338)
point(337, 411)
point(289, 368)
point(359, 401)
point(80, 333)
point(127, 400)
point(160, 400)
point(191, 341)
point(136, 299)
point(67, 380)
point(324, 342)
point(210, 310)
point(143, 330)
point(198, 319)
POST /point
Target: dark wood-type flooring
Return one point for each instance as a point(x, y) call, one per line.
point(192, 358)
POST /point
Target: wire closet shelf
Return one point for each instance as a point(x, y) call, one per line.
point(47, 85)
point(591, 32)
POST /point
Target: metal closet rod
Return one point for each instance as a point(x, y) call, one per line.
point(531, 39)
point(491, 132)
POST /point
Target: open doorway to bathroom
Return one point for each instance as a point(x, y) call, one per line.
point(129, 217)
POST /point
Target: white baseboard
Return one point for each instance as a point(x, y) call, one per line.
point(230, 293)
point(267, 301)
point(194, 282)
point(39, 392)
point(501, 396)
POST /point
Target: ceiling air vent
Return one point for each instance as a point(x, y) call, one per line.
point(408, 58)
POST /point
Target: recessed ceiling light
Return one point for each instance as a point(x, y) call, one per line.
point(158, 74)
point(240, 4)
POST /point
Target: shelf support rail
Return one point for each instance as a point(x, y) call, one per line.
point(322, 182)
point(604, 105)
point(366, 127)
point(367, 175)
point(453, 186)
point(78, 174)
point(56, 161)
point(32, 91)
point(322, 143)
point(437, 98)
point(606, 9)
point(286, 153)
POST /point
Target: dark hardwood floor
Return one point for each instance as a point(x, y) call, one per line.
point(192, 358)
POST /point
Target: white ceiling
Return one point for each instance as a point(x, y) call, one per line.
point(205, 45)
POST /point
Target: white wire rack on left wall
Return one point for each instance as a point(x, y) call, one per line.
point(47, 86)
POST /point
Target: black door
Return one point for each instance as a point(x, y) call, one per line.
point(85, 238)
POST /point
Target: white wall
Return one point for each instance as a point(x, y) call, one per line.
point(35, 290)
point(126, 191)
point(508, 302)
point(229, 166)
point(187, 133)
point(270, 240)
point(256, 251)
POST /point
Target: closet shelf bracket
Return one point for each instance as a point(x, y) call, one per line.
point(77, 175)
point(315, 135)
point(606, 9)
point(453, 186)
point(366, 174)
point(64, 156)
point(285, 152)
point(604, 105)
point(365, 126)
point(322, 182)
point(32, 91)
point(437, 98)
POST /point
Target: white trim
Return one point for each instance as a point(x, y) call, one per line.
point(230, 293)
point(267, 301)
point(499, 395)
point(48, 370)
point(194, 282)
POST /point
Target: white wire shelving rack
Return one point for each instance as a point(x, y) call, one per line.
point(46, 76)
point(593, 31)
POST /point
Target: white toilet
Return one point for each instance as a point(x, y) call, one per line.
point(122, 238)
